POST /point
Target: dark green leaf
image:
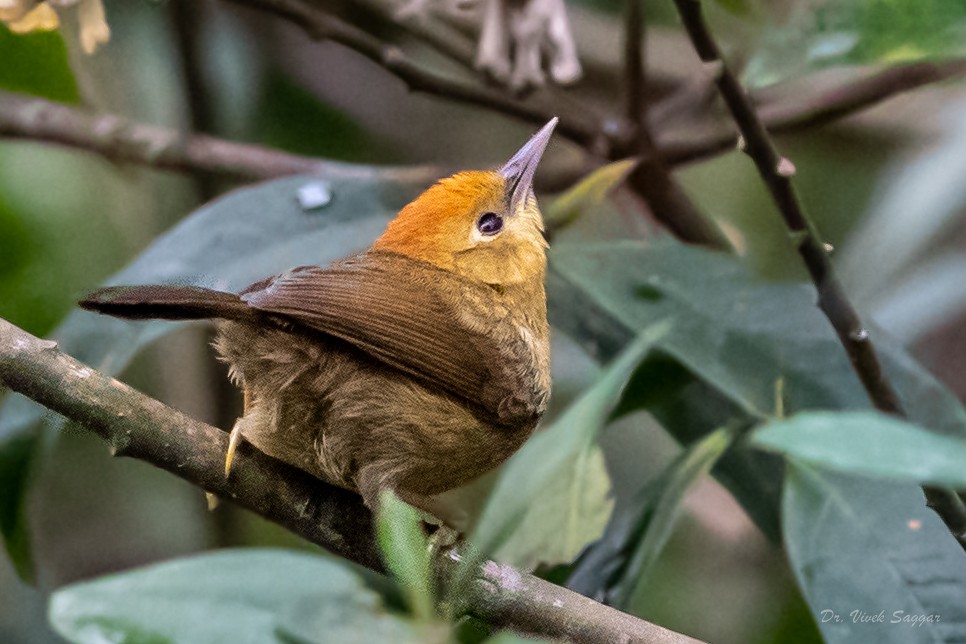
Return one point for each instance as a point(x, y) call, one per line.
point(229, 596)
point(623, 560)
point(735, 337)
point(404, 548)
point(291, 118)
point(16, 457)
point(869, 555)
point(822, 33)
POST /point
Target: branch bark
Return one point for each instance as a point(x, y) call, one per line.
point(140, 427)
point(121, 140)
point(777, 171)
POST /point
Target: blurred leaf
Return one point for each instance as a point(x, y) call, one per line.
point(36, 63)
point(404, 548)
point(232, 596)
point(553, 496)
point(868, 443)
point(16, 457)
point(927, 298)
point(227, 244)
point(293, 119)
point(625, 557)
point(587, 194)
point(874, 549)
point(919, 202)
point(822, 33)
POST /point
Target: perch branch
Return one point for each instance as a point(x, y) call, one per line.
point(822, 108)
point(140, 427)
point(777, 172)
point(120, 140)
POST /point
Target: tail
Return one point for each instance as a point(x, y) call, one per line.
point(167, 302)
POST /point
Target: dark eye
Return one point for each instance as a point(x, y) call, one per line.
point(490, 223)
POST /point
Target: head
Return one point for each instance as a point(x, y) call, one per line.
point(484, 225)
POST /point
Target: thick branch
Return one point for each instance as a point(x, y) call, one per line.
point(821, 108)
point(777, 172)
point(37, 119)
point(140, 427)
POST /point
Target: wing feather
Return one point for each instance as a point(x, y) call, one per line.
point(446, 331)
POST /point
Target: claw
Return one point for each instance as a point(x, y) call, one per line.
point(233, 439)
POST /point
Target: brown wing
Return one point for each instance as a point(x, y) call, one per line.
point(431, 324)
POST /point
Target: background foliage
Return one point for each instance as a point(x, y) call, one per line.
point(681, 374)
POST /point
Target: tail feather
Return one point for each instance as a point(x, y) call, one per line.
point(167, 302)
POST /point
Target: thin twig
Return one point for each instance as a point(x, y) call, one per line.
point(440, 35)
point(635, 81)
point(651, 178)
point(121, 140)
point(819, 108)
point(777, 172)
point(140, 427)
point(319, 24)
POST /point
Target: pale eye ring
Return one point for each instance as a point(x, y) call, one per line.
point(489, 223)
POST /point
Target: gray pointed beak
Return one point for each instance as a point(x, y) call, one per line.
point(519, 170)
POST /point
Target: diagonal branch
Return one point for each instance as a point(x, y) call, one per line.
point(319, 24)
point(140, 427)
point(121, 140)
point(777, 171)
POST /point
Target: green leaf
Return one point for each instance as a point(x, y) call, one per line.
point(229, 596)
point(552, 497)
point(400, 533)
point(227, 244)
point(868, 443)
point(823, 33)
point(587, 194)
point(622, 562)
point(861, 566)
point(36, 63)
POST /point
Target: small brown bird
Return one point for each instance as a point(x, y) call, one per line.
point(414, 366)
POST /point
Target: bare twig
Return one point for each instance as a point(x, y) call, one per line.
point(140, 427)
point(37, 119)
point(635, 82)
point(821, 108)
point(777, 172)
point(651, 178)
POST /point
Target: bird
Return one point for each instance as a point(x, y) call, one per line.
point(414, 366)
